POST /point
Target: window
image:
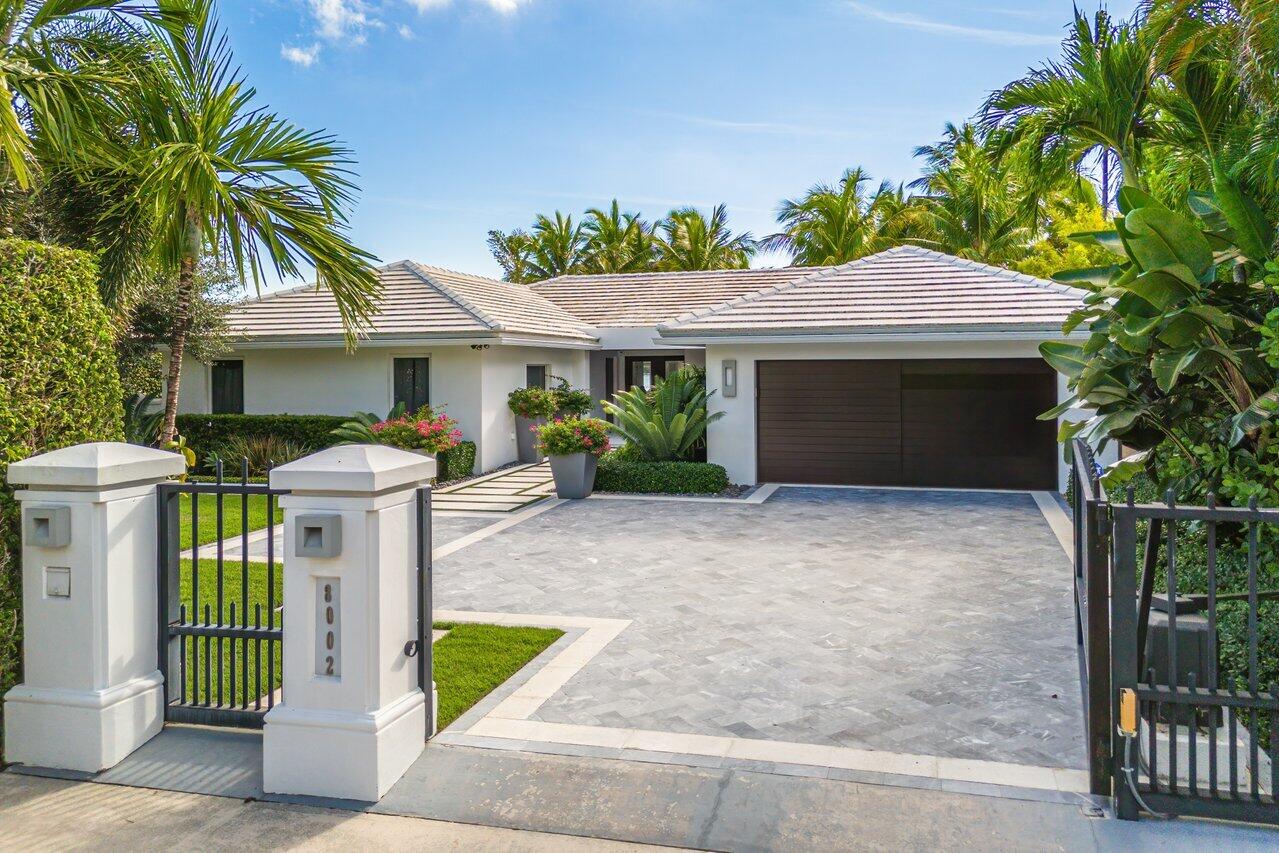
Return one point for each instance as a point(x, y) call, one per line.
point(535, 376)
point(412, 382)
point(228, 388)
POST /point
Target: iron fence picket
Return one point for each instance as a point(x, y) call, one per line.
point(217, 633)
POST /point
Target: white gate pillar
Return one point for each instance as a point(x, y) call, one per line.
point(353, 717)
point(91, 690)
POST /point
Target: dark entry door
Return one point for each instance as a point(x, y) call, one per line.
point(644, 370)
point(962, 423)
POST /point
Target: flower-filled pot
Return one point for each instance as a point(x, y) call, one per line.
point(575, 446)
point(574, 475)
point(526, 437)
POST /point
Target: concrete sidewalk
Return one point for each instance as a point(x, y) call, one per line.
point(53, 814)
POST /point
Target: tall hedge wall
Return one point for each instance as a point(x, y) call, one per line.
point(209, 432)
point(60, 387)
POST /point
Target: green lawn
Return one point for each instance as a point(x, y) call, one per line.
point(231, 516)
point(469, 663)
point(474, 659)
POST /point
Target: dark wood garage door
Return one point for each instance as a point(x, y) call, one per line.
point(962, 423)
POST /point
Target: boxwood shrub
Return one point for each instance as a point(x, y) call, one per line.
point(59, 386)
point(205, 433)
point(455, 463)
point(670, 478)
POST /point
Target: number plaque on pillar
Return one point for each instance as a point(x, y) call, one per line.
point(328, 627)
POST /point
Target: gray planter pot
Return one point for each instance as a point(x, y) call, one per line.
point(526, 438)
point(574, 475)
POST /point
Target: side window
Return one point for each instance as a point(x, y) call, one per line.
point(535, 376)
point(412, 382)
point(228, 388)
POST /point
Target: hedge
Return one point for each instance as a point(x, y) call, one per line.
point(670, 478)
point(209, 432)
point(60, 387)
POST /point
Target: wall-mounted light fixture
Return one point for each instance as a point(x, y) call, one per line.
point(728, 384)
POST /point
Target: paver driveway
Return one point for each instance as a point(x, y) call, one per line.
point(935, 623)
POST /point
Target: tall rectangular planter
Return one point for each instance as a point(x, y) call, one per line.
point(526, 438)
point(574, 474)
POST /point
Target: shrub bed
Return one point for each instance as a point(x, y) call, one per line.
point(667, 478)
point(58, 386)
point(206, 433)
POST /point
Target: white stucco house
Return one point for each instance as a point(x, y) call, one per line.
point(907, 367)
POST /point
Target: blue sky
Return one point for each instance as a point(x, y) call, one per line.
point(467, 115)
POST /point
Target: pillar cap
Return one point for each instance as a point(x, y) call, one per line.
point(96, 465)
point(347, 469)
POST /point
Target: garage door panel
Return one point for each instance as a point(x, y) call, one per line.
point(964, 423)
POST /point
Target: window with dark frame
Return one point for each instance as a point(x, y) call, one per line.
point(535, 376)
point(228, 387)
point(412, 382)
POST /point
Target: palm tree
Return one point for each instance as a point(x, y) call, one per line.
point(974, 198)
point(220, 177)
point(617, 242)
point(558, 246)
point(834, 225)
point(513, 252)
point(1094, 102)
point(690, 241)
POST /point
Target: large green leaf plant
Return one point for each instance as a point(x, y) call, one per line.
point(1176, 364)
point(666, 423)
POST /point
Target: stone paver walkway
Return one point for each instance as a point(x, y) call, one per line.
point(929, 623)
point(505, 491)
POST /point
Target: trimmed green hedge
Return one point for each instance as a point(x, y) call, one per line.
point(209, 432)
point(205, 433)
point(59, 386)
point(456, 463)
point(670, 478)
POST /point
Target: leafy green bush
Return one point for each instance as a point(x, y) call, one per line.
point(456, 462)
point(206, 433)
point(58, 386)
point(571, 402)
point(564, 436)
point(667, 478)
point(668, 423)
point(532, 403)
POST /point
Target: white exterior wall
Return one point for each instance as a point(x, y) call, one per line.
point(503, 372)
point(731, 439)
point(470, 385)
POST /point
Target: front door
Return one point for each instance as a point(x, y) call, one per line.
point(644, 370)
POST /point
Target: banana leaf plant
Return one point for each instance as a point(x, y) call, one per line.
point(1173, 350)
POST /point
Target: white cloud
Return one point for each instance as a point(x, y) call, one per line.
point(405, 31)
point(338, 20)
point(927, 25)
point(304, 56)
point(504, 7)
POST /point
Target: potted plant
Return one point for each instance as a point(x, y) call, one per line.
point(571, 402)
point(575, 446)
point(532, 407)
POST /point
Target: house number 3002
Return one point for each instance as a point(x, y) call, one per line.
point(328, 627)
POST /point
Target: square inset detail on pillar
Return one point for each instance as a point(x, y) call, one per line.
point(317, 536)
point(47, 526)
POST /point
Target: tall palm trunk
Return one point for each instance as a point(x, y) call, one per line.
point(177, 348)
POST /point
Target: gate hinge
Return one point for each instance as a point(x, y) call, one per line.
point(1101, 520)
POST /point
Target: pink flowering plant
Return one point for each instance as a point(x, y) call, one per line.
point(564, 436)
point(422, 430)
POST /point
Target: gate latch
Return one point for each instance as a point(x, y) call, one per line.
point(411, 648)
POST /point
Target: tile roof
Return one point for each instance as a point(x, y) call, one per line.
point(417, 301)
point(902, 289)
point(640, 300)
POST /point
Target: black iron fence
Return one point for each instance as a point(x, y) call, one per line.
point(220, 619)
point(1190, 720)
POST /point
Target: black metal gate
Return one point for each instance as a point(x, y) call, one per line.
point(1193, 728)
point(425, 622)
point(220, 617)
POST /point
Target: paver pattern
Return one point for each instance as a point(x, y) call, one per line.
point(934, 623)
point(506, 492)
